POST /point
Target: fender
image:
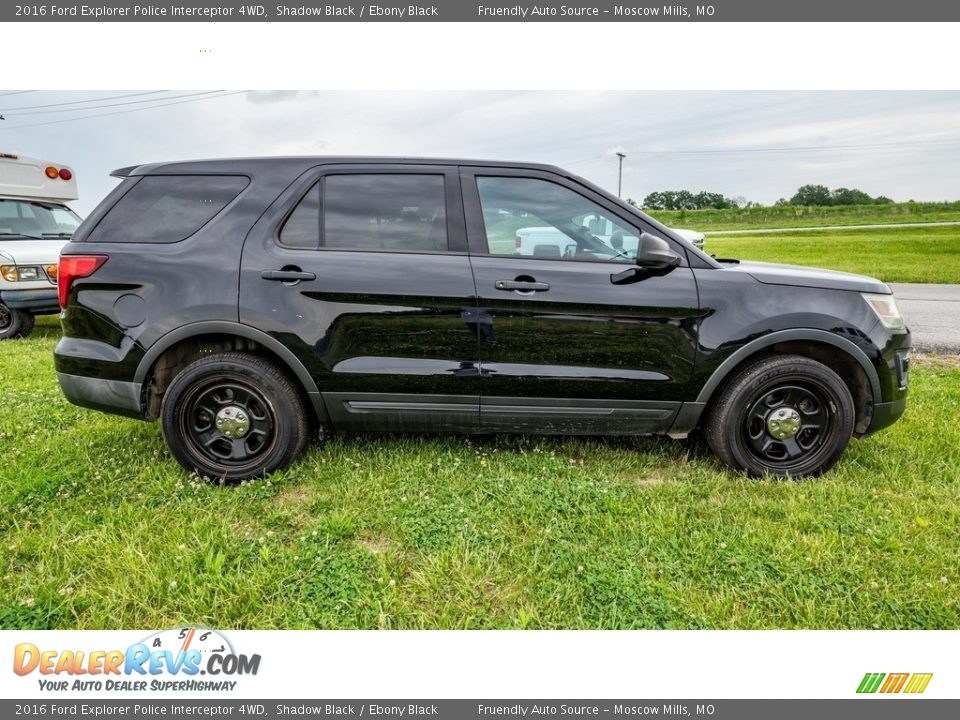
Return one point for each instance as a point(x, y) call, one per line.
point(690, 412)
point(812, 334)
point(225, 327)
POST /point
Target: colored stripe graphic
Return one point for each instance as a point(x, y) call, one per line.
point(918, 682)
point(870, 682)
point(894, 683)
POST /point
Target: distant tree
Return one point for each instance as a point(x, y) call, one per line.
point(632, 202)
point(882, 200)
point(812, 195)
point(686, 200)
point(847, 196)
point(712, 200)
point(782, 202)
point(655, 201)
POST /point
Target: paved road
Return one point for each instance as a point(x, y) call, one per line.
point(932, 313)
point(767, 231)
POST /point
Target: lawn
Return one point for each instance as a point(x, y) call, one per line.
point(792, 216)
point(919, 255)
point(101, 529)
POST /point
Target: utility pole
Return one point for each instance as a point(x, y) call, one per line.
point(620, 173)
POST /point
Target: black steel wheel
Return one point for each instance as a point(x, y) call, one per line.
point(234, 416)
point(783, 415)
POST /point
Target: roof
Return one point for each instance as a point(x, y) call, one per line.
point(300, 163)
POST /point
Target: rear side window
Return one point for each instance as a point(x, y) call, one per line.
point(398, 212)
point(167, 208)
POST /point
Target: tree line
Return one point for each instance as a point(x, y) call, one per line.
point(806, 195)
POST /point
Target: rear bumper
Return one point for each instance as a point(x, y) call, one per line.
point(42, 301)
point(113, 396)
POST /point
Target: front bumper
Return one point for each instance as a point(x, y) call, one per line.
point(886, 414)
point(42, 301)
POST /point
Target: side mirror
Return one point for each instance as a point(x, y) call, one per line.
point(655, 253)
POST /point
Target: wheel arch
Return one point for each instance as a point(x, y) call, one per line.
point(192, 341)
point(851, 364)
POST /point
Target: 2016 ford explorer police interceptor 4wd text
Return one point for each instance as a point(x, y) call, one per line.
point(35, 223)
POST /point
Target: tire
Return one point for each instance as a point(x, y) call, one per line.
point(14, 323)
point(233, 417)
point(781, 415)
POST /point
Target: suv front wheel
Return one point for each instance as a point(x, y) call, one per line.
point(783, 415)
point(234, 416)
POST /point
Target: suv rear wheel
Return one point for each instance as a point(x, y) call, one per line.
point(14, 323)
point(234, 416)
point(784, 415)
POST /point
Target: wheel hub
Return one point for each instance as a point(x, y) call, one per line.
point(232, 421)
point(783, 423)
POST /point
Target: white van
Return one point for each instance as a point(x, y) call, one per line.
point(550, 241)
point(35, 223)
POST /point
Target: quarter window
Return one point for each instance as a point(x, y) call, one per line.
point(168, 208)
point(539, 218)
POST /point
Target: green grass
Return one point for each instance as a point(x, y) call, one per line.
point(918, 255)
point(101, 529)
point(788, 217)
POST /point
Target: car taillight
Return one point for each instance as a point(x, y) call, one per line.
point(65, 174)
point(73, 267)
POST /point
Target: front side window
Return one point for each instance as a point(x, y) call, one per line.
point(167, 208)
point(538, 218)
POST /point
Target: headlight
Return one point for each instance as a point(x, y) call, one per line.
point(885, 308)
point(13, 273)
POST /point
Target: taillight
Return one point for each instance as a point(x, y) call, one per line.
point(73, 267)
point(65, 174)
point(52, 172)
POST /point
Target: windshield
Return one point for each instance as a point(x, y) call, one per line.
point(34, 220)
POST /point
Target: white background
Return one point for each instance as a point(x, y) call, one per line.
point(561, 56)
point(480, 56)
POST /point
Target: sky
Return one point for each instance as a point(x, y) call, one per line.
point(757, 145)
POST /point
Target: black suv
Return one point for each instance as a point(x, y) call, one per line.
point(247, 302)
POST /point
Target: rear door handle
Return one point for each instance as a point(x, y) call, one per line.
point(521, 286)
point(287, 275)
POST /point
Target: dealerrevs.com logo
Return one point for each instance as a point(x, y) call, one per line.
point(889, 683)
point(181, 659)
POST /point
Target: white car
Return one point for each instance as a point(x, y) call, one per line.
point(547, 241)
point(35, 223)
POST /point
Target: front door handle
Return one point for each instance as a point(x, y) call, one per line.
point(287, 275)
point(522, 285)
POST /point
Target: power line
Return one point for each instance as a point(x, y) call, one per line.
point(79, 102)
point(109, 105)
point(17, 92)
point(122, 112)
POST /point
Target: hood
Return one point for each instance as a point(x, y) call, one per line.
point(32, 252)
point(800, 276)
